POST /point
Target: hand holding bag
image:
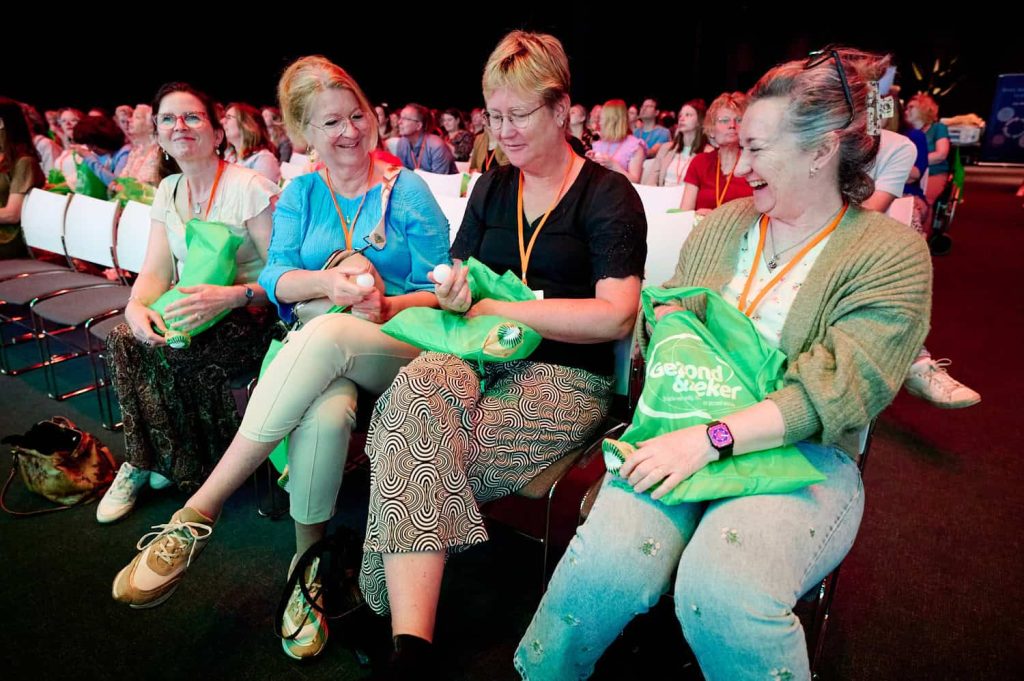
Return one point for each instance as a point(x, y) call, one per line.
point(701, 371)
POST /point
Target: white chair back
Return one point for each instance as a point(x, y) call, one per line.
point(666, 233)
point(289, 170)
point(42, 220)
point(133, 236)
point(442, 185)
point(89, 229)
point(902, 209)
point(659, 199)
point(473, 177)
point(454, 208)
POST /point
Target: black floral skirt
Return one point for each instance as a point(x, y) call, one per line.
point(178, 410)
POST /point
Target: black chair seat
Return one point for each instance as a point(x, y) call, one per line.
point(77, 307)
point(14, 268)
point(102, 329)
point(23, 290)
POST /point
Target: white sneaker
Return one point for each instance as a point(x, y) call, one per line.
point(120, 497)
point(157, 481)
point(929, 381)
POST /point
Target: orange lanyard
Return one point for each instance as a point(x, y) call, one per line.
point(742, 303)
point(526, 251)
point(489, 159)
point(417, 159)
point(345, 228)
point(718, 175)
point(216, 181)
point(680, 166)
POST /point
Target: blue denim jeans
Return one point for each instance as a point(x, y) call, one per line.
point(739, 566)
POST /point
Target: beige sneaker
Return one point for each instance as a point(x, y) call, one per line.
point(929, 380)
point(307, 623)
point(153, 575)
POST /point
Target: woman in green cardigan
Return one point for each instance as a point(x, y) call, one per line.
point(845, 293)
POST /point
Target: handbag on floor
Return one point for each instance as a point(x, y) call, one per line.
point(61, 462)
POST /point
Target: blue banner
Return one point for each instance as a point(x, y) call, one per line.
point(1004, 134)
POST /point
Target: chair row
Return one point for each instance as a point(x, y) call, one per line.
point(49, 298)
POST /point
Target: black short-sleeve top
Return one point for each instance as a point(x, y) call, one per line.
point(597, 230)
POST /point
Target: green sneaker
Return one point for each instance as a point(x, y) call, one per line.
point(301, 617)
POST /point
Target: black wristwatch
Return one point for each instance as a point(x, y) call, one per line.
point(721, 439)
point(249, 294)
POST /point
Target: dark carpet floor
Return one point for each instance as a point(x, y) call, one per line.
point(932, 589)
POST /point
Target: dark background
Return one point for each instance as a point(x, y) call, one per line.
point(436, 56)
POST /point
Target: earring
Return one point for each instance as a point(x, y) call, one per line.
point(166, 157)
point(813, 171)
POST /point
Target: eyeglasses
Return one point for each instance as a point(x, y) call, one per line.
point(818, 57)
point(519, 121)
point(336, 126)
point(192, 119)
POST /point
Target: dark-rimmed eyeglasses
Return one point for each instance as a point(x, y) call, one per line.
point(818, 57)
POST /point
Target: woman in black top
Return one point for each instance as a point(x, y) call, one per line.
point(439, 444)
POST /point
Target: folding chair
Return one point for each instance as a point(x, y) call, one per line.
point(943, 211)
point(547, 509)
point(454, 208)
point(88, 236)
point(42, 217)
point(132, 238)
point(442, 185)
point(20, 292)
point(659, 199)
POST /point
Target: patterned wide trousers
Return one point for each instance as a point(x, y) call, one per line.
point(440, 444)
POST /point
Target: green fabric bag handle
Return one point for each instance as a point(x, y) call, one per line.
point(487, 338)
point(88, 182)
point(211, 260)
point(483, 339)
point(701, 371)
point(486, 283)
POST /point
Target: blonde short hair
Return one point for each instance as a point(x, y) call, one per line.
point(737, 101)
point(614, 121)
point(308, 77)
point(528, 62)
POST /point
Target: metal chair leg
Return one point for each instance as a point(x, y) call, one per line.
point(275, 509)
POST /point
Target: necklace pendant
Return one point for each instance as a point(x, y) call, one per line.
point(772, 264)
point(195, 209)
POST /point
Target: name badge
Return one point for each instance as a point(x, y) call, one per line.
point(539, 294)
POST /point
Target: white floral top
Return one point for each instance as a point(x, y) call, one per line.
point(770, 315)
point(242, 194)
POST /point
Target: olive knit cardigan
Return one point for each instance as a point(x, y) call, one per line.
point(854, 328)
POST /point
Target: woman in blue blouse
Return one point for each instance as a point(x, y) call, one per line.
point(309, 391)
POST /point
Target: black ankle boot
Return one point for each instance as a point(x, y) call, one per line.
point(413, 660)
